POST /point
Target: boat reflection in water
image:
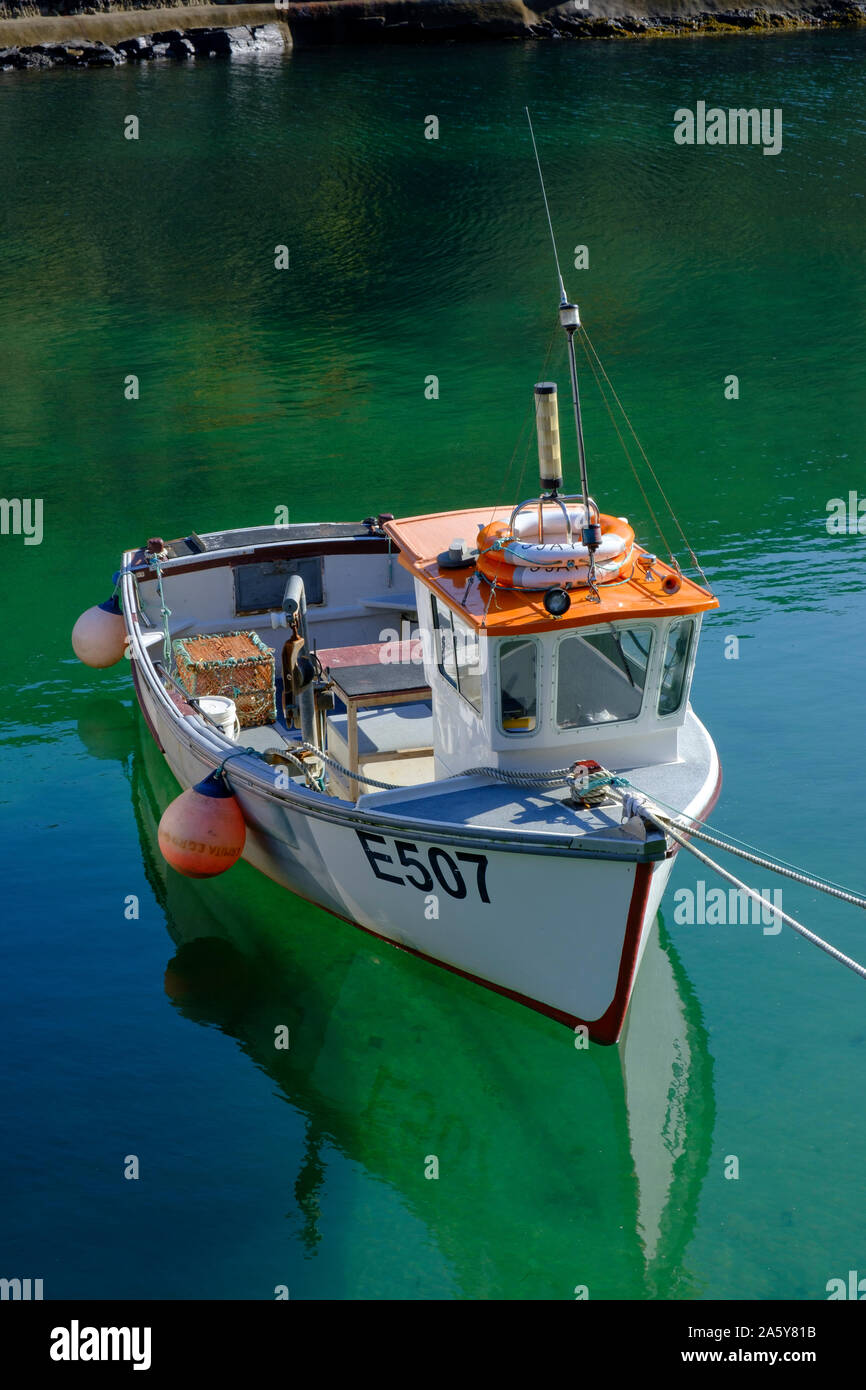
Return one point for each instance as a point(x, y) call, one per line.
point(558, 1167)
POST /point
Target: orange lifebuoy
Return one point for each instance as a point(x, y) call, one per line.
point(513, 563)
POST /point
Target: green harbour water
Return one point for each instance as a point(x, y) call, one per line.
point(305, 388)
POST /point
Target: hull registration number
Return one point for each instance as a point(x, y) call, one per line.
point(401, 862)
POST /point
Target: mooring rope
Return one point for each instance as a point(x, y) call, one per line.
point(841, 893)
point(599, 780)
point(544, 780)
point(743, 850)
point(777, 911)
point(644, 805)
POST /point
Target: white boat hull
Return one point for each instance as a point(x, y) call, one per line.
point(561, 933)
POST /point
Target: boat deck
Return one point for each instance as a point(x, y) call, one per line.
point(484, 803)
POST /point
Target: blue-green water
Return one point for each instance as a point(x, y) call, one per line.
point(305, 388)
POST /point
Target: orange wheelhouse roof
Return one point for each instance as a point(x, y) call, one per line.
point(421, 539)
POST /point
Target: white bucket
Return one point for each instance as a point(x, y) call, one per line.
point(223, 712)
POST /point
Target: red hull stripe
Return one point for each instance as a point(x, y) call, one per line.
point(608, 1028)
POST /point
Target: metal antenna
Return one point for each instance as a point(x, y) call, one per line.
point(569, 317)
point(564, 297)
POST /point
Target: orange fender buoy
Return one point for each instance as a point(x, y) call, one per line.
point(202, 832)
point(99, 636)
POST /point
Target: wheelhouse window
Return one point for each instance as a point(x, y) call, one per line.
point(458, 653)
point(678, 650)
point(518, 685)
point(601, 676)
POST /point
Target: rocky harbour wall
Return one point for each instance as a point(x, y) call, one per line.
point(340, 21)
point(106, 37)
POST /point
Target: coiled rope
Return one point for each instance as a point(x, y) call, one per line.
point(556, 777)
point(355, 776)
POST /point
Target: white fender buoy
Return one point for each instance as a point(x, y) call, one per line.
point(202, 832)
point(99, 636)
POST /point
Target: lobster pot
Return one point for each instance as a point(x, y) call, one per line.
point(547, 426)
point(233, 664)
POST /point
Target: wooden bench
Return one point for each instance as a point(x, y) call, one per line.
point(368, 678)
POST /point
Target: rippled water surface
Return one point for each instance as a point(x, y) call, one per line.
point(305, 388)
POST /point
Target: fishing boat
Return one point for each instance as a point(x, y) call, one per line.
point(471, 856)
point(423, 724)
